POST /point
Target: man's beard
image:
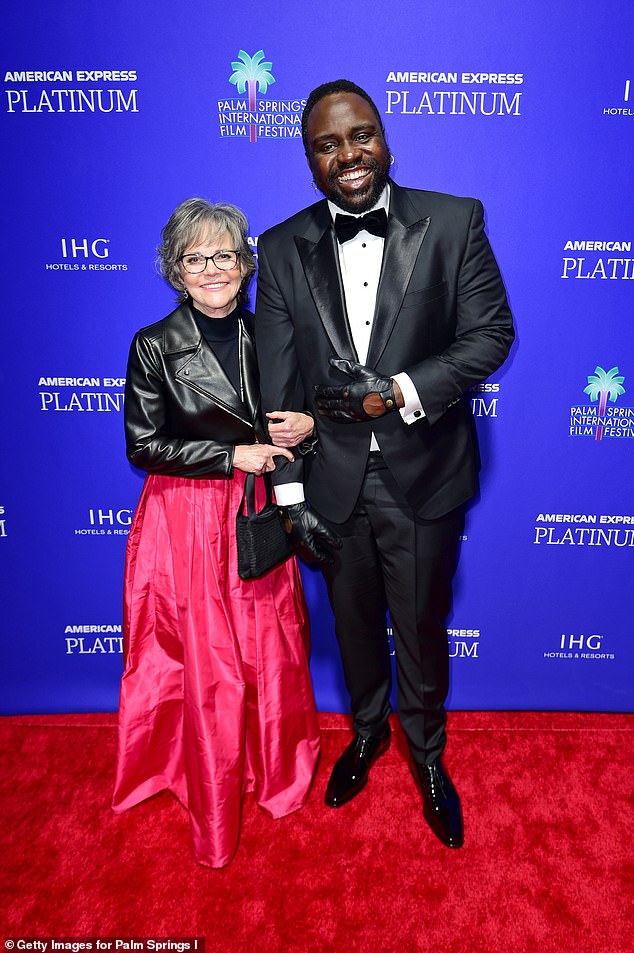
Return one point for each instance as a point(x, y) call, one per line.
point(368, 199)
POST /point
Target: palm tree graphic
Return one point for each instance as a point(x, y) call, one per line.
point(604, 386)
point(250, 73)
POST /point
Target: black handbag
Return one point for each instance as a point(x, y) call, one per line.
point(261, 537)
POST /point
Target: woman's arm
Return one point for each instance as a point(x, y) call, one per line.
point(149, 444)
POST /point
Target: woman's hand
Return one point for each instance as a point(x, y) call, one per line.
point(290, 428)
point(258, 457)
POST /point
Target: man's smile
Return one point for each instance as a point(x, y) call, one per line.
point(354, 178)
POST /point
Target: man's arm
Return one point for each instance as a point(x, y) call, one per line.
point(281, 387)
point(280, 381)
point(484, 328)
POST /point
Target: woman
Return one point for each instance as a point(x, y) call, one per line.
point(216, 697)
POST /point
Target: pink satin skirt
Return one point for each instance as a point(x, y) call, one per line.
point(216, 698)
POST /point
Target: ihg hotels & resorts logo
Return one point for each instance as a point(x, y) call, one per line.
point(600, 419)
point(248, 117)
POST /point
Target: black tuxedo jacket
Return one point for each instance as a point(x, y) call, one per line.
point(441, 315)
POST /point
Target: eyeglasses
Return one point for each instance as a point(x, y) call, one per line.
point(224, 260)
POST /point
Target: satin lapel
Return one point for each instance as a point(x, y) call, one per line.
point(320, 261)
point(203, 372)
point(402, 245)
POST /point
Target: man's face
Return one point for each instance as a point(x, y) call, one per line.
point(347, 152)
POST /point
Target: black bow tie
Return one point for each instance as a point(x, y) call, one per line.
point(347, 226)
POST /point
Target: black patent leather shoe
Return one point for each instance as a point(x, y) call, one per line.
point(441, 804)
point(350, 773)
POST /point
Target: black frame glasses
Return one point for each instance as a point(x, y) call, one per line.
point(231, 259)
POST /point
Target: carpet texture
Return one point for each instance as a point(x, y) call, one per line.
point(546, 866)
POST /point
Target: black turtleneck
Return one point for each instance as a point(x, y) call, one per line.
point(222, 336)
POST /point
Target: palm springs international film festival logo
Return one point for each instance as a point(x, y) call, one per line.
point(598, 419)
point(252, 118)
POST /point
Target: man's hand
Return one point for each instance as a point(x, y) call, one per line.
point(367, 397)
point(312, 539)
point(288, 429)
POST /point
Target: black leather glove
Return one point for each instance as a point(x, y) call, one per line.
point(349, 404)
point(312, 539)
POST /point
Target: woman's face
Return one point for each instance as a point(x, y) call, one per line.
point(213, 291)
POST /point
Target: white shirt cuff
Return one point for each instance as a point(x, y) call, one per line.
point(412, 409)
point(288, 493)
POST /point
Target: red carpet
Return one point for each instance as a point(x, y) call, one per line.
point(547, 862)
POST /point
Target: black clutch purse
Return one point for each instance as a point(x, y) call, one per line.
point(261, 537)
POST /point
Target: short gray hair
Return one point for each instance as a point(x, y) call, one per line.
point(196, 219)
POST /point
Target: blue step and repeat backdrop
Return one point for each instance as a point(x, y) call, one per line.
point(113, 112)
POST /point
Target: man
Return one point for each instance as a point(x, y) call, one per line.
point(380, 332)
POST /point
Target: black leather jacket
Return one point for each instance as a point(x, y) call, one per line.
point(182, 415)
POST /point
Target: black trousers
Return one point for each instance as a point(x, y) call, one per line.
point(392, 559)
